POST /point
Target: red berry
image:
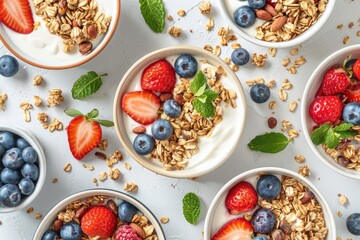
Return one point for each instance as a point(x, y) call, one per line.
point(356, 69)
point(237, 229)
point(16, 14)
point(335, 81)
point(126, 232)
point(353, 93)
point(241, 198)
point(159, 76)
point(99, 221)
point(326, 109)
point(271, 2)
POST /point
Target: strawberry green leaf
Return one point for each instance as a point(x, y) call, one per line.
point(331, 140)
point(269, 143)
point(198, 82)
point(153, 12)
point(86, 85)
point(191, 207)
point(205, 109)
point(319, 134)
point(73, 112)
point(343, 127)
point(93, 114)
point(105, 123)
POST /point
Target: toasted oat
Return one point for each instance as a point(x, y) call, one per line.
point(351, 25)
point(227, 60)
point(88, 166)
point(55, 97)
point(286, 85)
point(3, 98)
point(103, 176)
point(103, 144)
point(346, 40)
point(294, 51)
point(272, 105)
point(299, 158)
point(210, 24)
point(259, 60)
point(250, 83)
point(67, 167)
point(304, 171)
point(283, 95)
point(42, 117)
point(226, 35)
point(293, 133)
point(37, 101)
point(95, 181)
point(38, 216)
point(272, 52)
point(37, 80)
point(55, 125)
point(340, 26)
point(343, 200)
point(114, 158)
point(271, 83)
point(181, 12)
point(30, 210)
point(130, 187)
point(127, 166)
point(114, 174)
point(175, 31)
point(205, 7)
point(26, 106)
point(259, 80)
point(358, 33)
point(236, 45)
point(292, 106)
point(217, 50)
point(286, 62)
point(55, 180)
point(169, 17)
point(164, 220)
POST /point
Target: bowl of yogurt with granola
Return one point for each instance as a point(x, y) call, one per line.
point(269, 203)
point(180, 111)
point(276, 23)
point(99, 214)
point(57, 34)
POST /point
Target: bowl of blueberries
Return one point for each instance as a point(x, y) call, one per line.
point(22, 168)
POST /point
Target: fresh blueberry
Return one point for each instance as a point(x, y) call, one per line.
point(172, 108)
point(350, 63)
point(260, 238)
point(244, 16)
point(268, 187)
point(50, 235)
point(240, 56)
point(9, 66)
point(260, 93)
point(126, 211)
point(7, 139)
point(29, 155)
point(10, 195)
point(351, 113)
point(30, 171)
point(10, 176)
point(71, 231)
point(162, 129)
point(263, 221)
point(257, 4)
point(21, 143)
point(186, 66)
point(12, 159)
point(353, 223)
point(26, 186)
point(2, 149)
point(143, 144)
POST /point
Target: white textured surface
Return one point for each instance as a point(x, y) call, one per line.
point(132, 40)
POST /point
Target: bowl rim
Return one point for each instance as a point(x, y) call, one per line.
point(285, 44)
point(103, 43)
point(313, 78)
point(99, 191)
point(33, 141)
point(241, 176)
point(179, 173)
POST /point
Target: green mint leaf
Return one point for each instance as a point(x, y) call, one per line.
point(202, 98)
point(191, 207)
point(200, 91)
point(318, 135)
point(73, 112)
point(105, 123)
point(331, 140)
point(198, 82)
point(211, 95)
point(345, 134)
point(153, 12)
point(343, 127)
point(205, 109)
point(269, 143)
point(86, 85)
point(93, 114)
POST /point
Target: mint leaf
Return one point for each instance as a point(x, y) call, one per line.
point(86, 85)
point(200, 91)
point(202, 98)
point(73, 112)
point(198, 82)
point(269, 143)
point(105, 123)
point(345, 134)
point(211, 95)
point(153, 12)
point(318, 135)
point(343, 127)
point(191, 207)
point(205, 109)
point(331, 140)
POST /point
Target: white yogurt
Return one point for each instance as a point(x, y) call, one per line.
point(225, 134)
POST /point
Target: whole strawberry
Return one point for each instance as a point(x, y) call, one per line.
point(126, 232)
point(99, 221)
point(326, 109)
point(356, 69)
point(335, 81)
point(352, 94)
point(158, 76)
point(241, 198)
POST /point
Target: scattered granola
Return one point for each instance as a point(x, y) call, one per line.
point(114, 174)
point(175, 31)
point(37, 101)
point(272, 52)
point(226, 35)
point(170, 18)
point(30, 210)
point(127, 166)
point(130, 187)
point(55, 180)
point(3, 98)
point(26, 110)
point(343, 200)
point(114, 158)
point(42, 117)
point(55, 97)
point(88, 166)
point(103, 176)
point(292, 106)
point(259, 60)
point(346, 40)
point(205, 7)
point(210, 24)
point(54, 125)
point(164, 220)
point(67, 167)
point(299, 158)
point(103, 144)
point(181, 12)
point(304, 171)
point(38, 216)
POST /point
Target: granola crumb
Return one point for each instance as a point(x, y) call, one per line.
point(114, 158)
point(272, 52)
point(175, 31)
point(30, 210)
point(205, 7)
point(299, 158)
point(55, 180)
point(259, 60)
point(130, 187)
point(67, 167)
point(114, 174)
point(343, 200)
point(95, 181)
point(339, 214)
point(42, 117)
point(127, 166)
point(226, 35)
point(346, 40)
point(169, 18)
point(164, 220)
point(38, 216)
point(340, 26)
point(351, 25)
point(294, 51)
point(358, 33)
point(3, 98)
point(304, 171)
point(55, 125)
point(55, 97)
point(37, 80)
point(210, 24)
point(103, 144)
point(103, 176)
point(37, 101)
point(181, 12)
point(88, 166)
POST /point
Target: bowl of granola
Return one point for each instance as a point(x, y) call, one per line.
point(276, 23)
point(177, 108)
point(58, 34)
point(273, 203)
point(329, 114)
point(99, 214)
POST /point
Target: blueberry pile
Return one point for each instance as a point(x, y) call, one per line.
point(19, 169)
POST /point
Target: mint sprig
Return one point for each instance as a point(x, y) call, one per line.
point(204, 97)
point(86, 85)
point(272, 142)
point(331, 136)
point(153, 12)
point(191, 207)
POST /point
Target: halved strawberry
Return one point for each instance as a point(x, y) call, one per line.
point(353, 93)
point(241, 198)
point(142, 106)
point(237, 229)
point(158, 76)
point(356, 69)
point(16, 14)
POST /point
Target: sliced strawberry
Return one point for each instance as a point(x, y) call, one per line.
point(237, 229)
point(335, 81)
point(16, 14)
point(356, 69)
point(353, 95)
point(159, 76)
point(241, 198)
point(142, 106)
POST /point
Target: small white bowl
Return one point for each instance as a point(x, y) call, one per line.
point(31, 139)
point(33, 49)
point(212, 223)
point(311, 88)
point(249, 33)
point(200, 166)
point(52, 214)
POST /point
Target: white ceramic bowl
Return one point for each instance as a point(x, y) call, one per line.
point(221, 152)
point(217, 207)
point(31, 139)
point(51, 215)
point(311, 88)
point(31, 47)
point(249, 33)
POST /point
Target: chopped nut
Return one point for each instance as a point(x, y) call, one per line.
point(175, 31)
point(130, 187)
point(169, 17)
point(101, 155)
point(351, 25)
point(67, 167)
point(37, 80)
point(340, 26)
point(339, 214)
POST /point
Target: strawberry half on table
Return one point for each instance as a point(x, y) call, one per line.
point(159, 77)
point(237, 229)
point(84, 131)
point(16, 15)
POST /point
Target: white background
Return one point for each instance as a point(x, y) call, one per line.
point(162, 195)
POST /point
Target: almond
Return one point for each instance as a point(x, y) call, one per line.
point(278, 23)
point(263, 15)
point(270, 9)
point(139, 129)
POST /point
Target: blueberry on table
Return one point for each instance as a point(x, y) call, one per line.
point(10, 176)
point(353, 223)
point(257, 4)
point(7, 140)
point(172, 108)
point(162, 129)
point(260, 93)
point(263, 221)
point(9, 66)
point(240, 56)
point(186, 66)
point(71, 231)
point(143, 144)
point(244, 16)
point(50, 235)
point(29, 155)
point(12, 159)
point(268, 187)
point(22, 143)
point(126, 211)
point(351, 113)
point(26, 186)
point(30, 171)
point(10, 195)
